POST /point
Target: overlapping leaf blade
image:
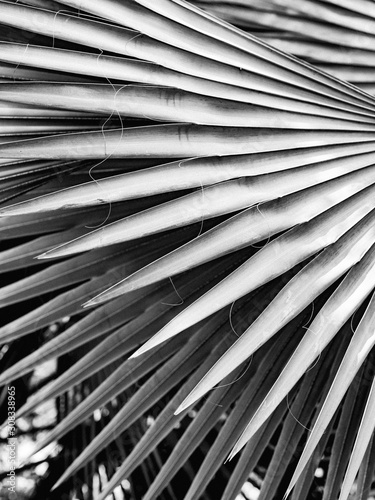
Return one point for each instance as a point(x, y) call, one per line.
point(283, 141)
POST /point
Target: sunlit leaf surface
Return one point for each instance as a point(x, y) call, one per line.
point(187, 218)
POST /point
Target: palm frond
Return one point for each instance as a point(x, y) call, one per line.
point(180, 197)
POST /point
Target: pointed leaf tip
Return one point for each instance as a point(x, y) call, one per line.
point(58, 483)
point(144, 348)
point(88, 304)
point(96, 301)
point(236, 449)
point(57, 252)
point(181, 408)
point(42, 256)
point(52, 254)
point(147, 346)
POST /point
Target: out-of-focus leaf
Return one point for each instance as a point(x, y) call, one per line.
point(180, 366)
point(215, 406)
point(187, 357)
point(166, 420)
point(102, 320)
point(127, 374)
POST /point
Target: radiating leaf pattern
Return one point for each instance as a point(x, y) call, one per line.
point(185, 208)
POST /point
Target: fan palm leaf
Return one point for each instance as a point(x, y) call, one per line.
point(189, 199)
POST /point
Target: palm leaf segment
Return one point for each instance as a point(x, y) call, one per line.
point(240, 173)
